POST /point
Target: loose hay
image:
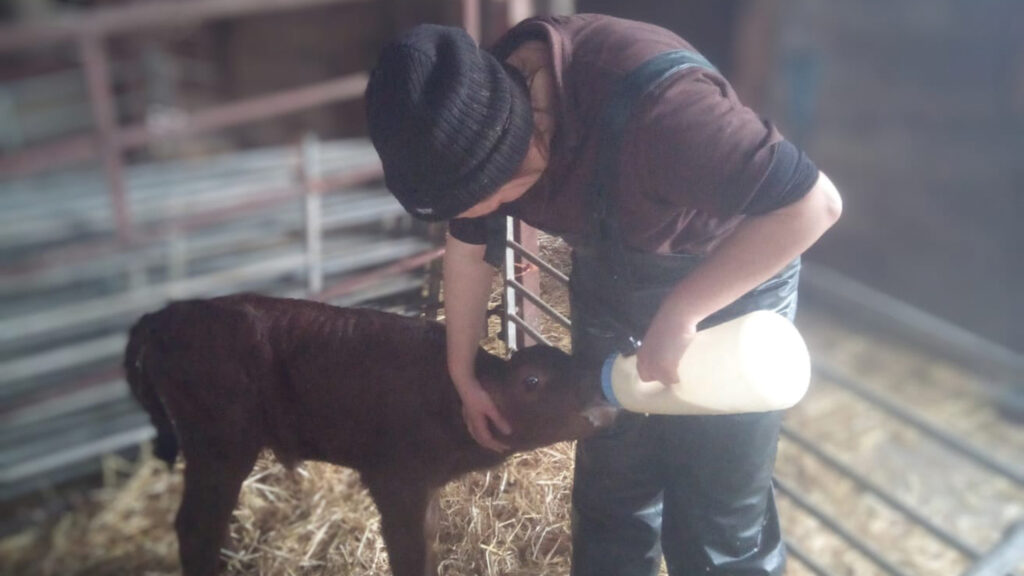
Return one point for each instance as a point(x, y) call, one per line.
point(318, 520)
point(123, 528)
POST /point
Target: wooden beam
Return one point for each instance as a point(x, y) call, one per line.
point(142, 16)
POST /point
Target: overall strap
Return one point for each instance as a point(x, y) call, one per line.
point(618, 109)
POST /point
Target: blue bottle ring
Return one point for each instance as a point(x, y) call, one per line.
point(606, 380)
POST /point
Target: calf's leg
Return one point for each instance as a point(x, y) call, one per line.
point(408, 517)
point(211, 492)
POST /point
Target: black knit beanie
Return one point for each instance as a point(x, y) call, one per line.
point(450, 122)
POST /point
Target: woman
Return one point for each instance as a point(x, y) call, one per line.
point(683, 208)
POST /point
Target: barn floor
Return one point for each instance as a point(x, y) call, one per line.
point(514, 520)
point(968, 501)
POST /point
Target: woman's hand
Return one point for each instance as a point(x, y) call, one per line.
point(667, 338)
point(466, 289)
point(478, 411)
point(758, 248)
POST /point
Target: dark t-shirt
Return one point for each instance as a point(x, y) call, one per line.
point(694, 160)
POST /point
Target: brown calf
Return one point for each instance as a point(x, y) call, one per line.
point(225, 378)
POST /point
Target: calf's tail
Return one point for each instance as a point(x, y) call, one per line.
point(141, 385)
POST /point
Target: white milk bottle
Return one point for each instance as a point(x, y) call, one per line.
point(755, 363)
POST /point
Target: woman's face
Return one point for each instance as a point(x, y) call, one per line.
point(507, 193)
point(533, 166)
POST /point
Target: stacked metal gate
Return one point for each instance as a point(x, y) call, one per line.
point(83, 251)
point(68, 295)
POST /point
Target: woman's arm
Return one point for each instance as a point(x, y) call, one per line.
point(467, 287)
point(758, 248)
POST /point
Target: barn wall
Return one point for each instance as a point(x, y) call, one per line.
point(916, 111)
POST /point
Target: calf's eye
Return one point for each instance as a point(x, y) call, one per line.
point(531, 383)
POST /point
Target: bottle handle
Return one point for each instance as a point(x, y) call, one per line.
point(630, 346)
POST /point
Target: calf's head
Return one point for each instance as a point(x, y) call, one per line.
point(545, 396)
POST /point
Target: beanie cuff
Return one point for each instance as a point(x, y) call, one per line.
point(495, 170)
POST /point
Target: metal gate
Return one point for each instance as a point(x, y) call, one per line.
point(523, 306)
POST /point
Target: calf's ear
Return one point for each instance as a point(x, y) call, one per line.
point(488, 367)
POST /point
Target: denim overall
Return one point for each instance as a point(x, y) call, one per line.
point(694, 488)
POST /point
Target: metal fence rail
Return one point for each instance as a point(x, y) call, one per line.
point(62, 322)
point(522, 299)
point(973, 453)
point(90, 31)
point(1004, 556)
point(81, 254)
point(837, 528)
point(794, 550)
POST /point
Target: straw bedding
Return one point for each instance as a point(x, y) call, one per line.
point(514, 520)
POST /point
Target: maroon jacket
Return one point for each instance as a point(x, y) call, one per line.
point(694, 160)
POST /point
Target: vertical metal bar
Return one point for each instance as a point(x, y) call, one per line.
point(509, 292)
point(177, 256)
point(548, 7)
point(865, 483)
point(471, 18)
point(528, 276)
point(97, 73)
point(435, 272)
point(314, 213)
point(177, 250)
point(518, 10)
